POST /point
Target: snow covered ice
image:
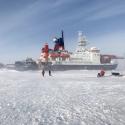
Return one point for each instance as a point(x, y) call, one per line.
point(65, 98)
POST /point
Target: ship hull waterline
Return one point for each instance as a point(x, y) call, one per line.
point(63, 67)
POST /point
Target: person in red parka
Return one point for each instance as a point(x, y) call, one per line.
point(101, 73)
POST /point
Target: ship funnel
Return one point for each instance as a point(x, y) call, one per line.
point(63, 40)
point(59, 43)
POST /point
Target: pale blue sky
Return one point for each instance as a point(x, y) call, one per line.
point(25, 25)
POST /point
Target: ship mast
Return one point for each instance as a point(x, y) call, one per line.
point(82, 42)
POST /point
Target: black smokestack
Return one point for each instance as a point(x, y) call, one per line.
point(63, 40)
point(62, 35)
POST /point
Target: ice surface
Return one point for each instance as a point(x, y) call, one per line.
point(65, 98)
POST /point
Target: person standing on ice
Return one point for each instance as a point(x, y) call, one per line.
point(43, 73)
point(49, 72)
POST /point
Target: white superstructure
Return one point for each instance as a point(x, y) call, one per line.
point(83, 54)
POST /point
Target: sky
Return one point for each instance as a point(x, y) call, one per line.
point(25, 25)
